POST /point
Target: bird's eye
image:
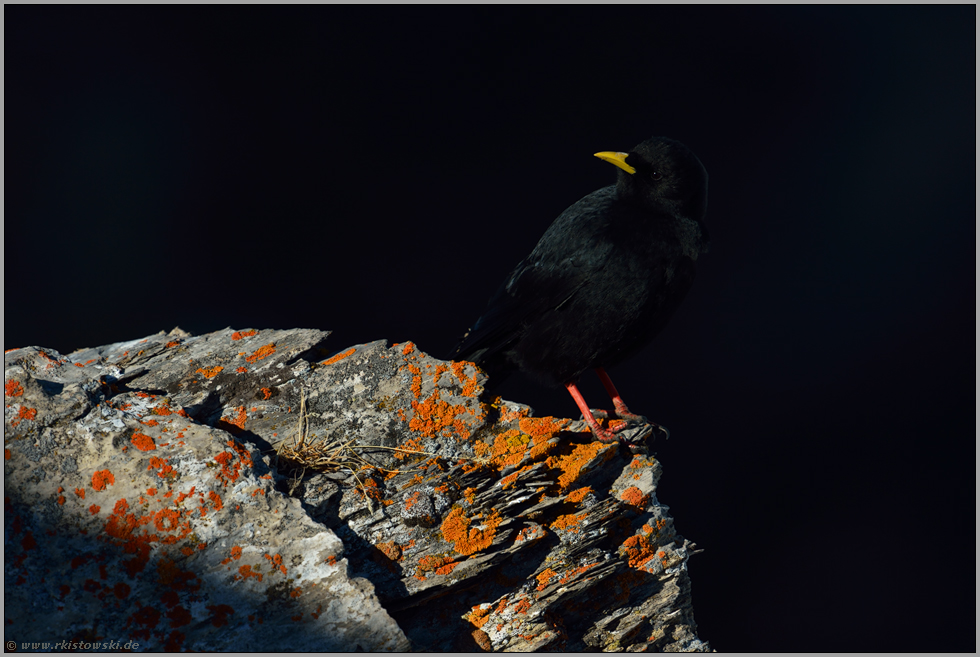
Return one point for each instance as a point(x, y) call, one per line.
point(656, 175)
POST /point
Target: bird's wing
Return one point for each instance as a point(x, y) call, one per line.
point(562, 263)
point(531, 289)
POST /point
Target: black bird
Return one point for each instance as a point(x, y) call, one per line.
point(603, 280)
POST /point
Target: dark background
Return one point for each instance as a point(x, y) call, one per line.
point(377, 171)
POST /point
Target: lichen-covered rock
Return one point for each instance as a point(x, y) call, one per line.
point(126, 520)
point(478, 525)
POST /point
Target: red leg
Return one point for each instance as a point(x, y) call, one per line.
point(620, 406)
point(604, 435)
point(618, 403)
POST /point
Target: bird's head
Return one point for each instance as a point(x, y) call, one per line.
point(662, 173)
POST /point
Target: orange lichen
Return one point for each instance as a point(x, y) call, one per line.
point(237, 424)
point(147, 616)
point(166, 520)
point(229, 467)
point(95, 508)
point(149, 423)
point(241, 369)
point(634, 497)
point(178, 618)
point(26, 413)
point(162, 467)
point(577, 496)
point(6, 454)
point(415, 445)
point(440, 565)
point(143, 442)
point(245, 571)
point(447, 568)
point(508, 448)
point(370, 490)
point(465, 539)
point(338, 357)
point(262, 352)
point(391, 550)
point(522, 606)
point(410, 501)
point(575, 572)
point(102, 478)
point(409, 347)
point(469, 383)
point(571, 465)
point(276, 561)
point(544, 578)
point(544, 427)
point(221, 613)
point(236, 554)
point(238, 335)
point(169, 574)
point(266, 393)
point(416, 382)
point(13, 388)
point(569, 522)
point(507, 415)
point(534, 533)
point(434, 417)
point(479, 616)
point(638, 550)
point(209, 372)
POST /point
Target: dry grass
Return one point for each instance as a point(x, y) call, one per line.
point(299, 453)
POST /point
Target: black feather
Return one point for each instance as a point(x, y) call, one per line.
point(605, 277)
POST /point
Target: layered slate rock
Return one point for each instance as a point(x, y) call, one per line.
point(128, 520)
point(472, 523)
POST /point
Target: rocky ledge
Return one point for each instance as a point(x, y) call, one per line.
point(254, 490)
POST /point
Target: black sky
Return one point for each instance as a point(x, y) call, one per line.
point(377, 171)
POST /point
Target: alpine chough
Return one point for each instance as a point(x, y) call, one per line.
point(603, 280)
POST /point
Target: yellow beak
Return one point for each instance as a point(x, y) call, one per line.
point(619, 159)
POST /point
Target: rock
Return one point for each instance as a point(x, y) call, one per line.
point(171, 489)
point(129, 520)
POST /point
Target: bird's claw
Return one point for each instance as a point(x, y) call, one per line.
point(630, 418)
point(632, 434)
point(621, 414)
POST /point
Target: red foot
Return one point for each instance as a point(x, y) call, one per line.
point(620, 405)
point(601, 434)
point(608, 435)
